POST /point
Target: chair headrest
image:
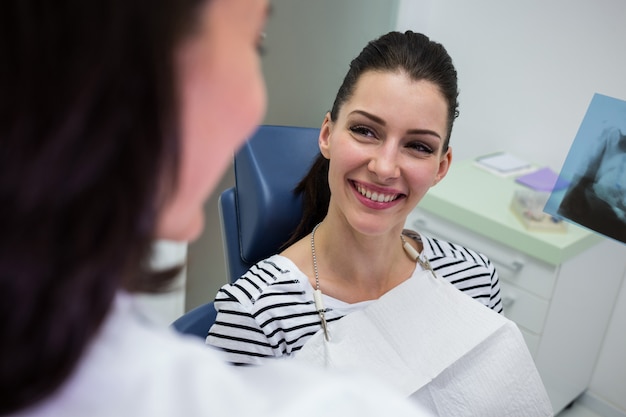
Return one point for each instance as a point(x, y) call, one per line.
point(267, 169)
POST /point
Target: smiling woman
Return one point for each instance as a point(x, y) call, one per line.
point(382, 146)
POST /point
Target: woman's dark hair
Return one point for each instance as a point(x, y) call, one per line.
point(88, 153)
point(411, 53)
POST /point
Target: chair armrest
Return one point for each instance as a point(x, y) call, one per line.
point(196, 322)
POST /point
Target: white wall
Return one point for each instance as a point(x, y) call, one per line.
point(527, 72)
point(527, 69)
point(310, 44)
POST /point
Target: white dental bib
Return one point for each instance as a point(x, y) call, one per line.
point(441, 348)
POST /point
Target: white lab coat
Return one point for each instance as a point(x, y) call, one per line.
point(134, 368)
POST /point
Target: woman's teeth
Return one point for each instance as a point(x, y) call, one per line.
point(374, 196)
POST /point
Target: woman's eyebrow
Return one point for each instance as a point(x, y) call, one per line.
point(381, 122)
point(370, 116)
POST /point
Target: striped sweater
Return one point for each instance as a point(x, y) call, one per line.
point(269, 312)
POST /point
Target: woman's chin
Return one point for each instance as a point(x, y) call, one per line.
point(179, 231)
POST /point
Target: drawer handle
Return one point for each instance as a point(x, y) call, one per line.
point(514, 266)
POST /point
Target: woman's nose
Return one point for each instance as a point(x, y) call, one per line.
point(384, 163)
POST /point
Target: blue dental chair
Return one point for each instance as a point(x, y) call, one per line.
point(260, 212)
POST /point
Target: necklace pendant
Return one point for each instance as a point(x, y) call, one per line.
point(319, 306)
point(426, 266)
point(324, 326)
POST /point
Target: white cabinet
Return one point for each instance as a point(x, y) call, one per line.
point(558, 288)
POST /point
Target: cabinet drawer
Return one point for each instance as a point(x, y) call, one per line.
point(524, 308)
point(526, 272)
point(532, 275)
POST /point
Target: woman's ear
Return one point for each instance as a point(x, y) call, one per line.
point(444, 165)
point(324, 138)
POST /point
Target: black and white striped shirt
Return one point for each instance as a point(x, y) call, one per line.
point(269, 312)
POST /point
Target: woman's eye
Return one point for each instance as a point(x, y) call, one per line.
point(420, 147)
point(362, 131)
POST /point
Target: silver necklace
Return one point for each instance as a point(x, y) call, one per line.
point(317, 293)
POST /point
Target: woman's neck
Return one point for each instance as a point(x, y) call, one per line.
point(354, 267)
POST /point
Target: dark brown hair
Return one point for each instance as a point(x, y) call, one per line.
point(412, 53)
point(88, 132)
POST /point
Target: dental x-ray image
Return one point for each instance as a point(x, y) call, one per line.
point(595, 167)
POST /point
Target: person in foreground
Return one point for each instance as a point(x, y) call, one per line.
point(353, 289)
point(117, 119)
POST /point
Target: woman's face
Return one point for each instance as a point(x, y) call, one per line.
point(385, 150)
point(222, 97)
